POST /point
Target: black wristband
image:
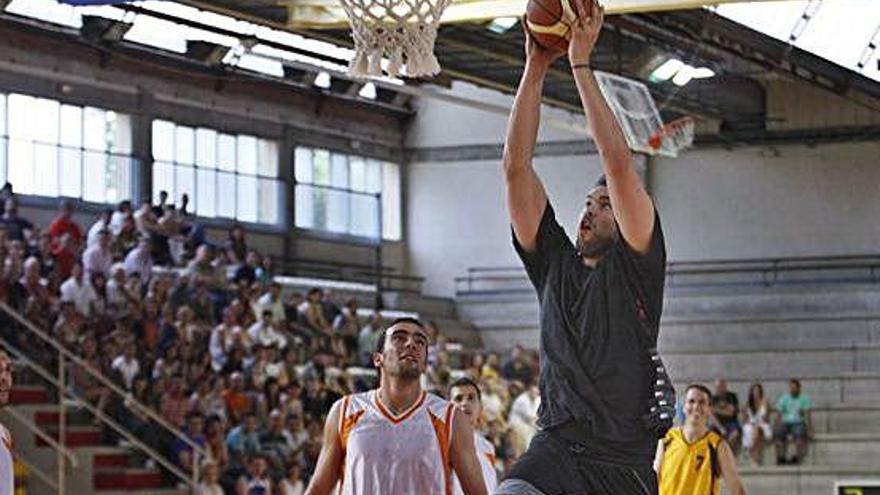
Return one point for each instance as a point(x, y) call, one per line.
point(581, 66)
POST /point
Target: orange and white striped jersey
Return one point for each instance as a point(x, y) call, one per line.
point(7, 463)
point(486, 456)
point(404, 454)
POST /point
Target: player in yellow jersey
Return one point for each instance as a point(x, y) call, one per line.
point(691, 458)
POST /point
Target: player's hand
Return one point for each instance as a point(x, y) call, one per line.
point(537, 55)
point(585, 30)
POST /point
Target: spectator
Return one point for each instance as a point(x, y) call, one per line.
point(236, 246)
point(794, 421)
point(292, 483)
point(69, 325)
point(103, 223)
point(139, 260)
point(64, 256)
point(127, 366)
point(175, 403)
point(271, 301)
point(518, 367)
point(118, 299)
point(45, 252)
point(329, 308)
point(64, 224)
point(210, 482)
point(266, 271)
point(274, 443)
point(98, 258)
point(756, 425)
point(215, 442)
point(348, 324)
point(725, 409)
point(297, 437)
point(314, 313)
point(181, 450)
point(126, 239)
point(237, 400)
point(202, 269)
point(256, 480)
point(17, 227)
point(244, 440)
point(78, 291)
point(246, 273)
point(265, 332)
point(123, 211)
point(368, 337)
point(524, 417)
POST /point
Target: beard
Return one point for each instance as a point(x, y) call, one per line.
point(404, 370)
point(594, 247)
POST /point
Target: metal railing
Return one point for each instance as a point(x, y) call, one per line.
point(60, 382)
point(759, 272)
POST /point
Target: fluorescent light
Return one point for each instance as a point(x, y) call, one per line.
point(683, 76)
point(502, 24)
point(702, 73)
point(368, 91)
point(666, 70)
point(323, 80)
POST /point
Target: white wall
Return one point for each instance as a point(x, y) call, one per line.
point(755, 203)
point(458, 215)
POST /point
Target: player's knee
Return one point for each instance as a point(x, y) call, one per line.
point(517, 487)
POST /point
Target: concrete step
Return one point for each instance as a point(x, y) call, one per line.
point(798, 480)
point(844, 451)
point(427, 307)
point(775, 364)
point(846, 388)
point(847, 418)
point(459, 331)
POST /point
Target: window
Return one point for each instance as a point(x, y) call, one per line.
point(43, 140)
point(343, 194)
point(225, 175)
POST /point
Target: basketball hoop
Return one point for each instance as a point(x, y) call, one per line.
point(676, 135)
point(402, 30)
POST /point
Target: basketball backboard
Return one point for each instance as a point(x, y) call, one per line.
point(327, 14)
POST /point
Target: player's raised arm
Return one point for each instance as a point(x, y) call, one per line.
point(630, 203)
point(327, 471)
point(526, 198)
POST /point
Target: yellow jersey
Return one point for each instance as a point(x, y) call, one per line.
point(690, 468)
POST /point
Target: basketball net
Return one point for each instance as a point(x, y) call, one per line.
point(678, 135)
point(402, 30)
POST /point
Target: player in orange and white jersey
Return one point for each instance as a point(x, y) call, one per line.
point(7, 473)
point(465, 394)
point(397, 439)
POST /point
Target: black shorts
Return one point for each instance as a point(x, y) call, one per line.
point(557, 466)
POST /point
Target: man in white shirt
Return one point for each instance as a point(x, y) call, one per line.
point(271, 301)
point(263, 332)
point(79, 291)
point(465, 394)
point(139, 260)
point(103, 223)
point(7, 471)
point(523, 418)
point(99, 258)
point(127, 365)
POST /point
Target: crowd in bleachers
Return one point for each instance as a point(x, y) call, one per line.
point(199, 331)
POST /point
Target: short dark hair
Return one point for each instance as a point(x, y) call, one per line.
point(795, 381)
point(380, 342)
point(701, 388)
point(600, 181)
point(465, 381)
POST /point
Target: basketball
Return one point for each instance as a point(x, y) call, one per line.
point(549, 22)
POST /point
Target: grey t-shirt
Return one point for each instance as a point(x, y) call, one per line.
point(596, 324)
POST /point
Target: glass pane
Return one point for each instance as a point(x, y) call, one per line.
point(364, 211)
point(247, 154)
point(339, 170)
point(337, 211)
point(163, 141)
point(305, 206)
point(302, 159)
point(94, 129)
point(44, 119)
point(267, 158)
point(163, 179)
point(20, 123)
point(70, 163)
point(206, 148)
point(184, 183)
point(119, 177)
point(4, 145)
point(94, 176)
point(119, 132)
point(391, 214)
point(358, 178)
point(226, 191)
point(45, 169)
point(2, 114)
point(269, 195)
point(184, 145)
point(246, 209)
point(71, 126)
point(374, 176)
point(226, 152)
point(206, 197)
point(21, 163)
point(321, 167)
